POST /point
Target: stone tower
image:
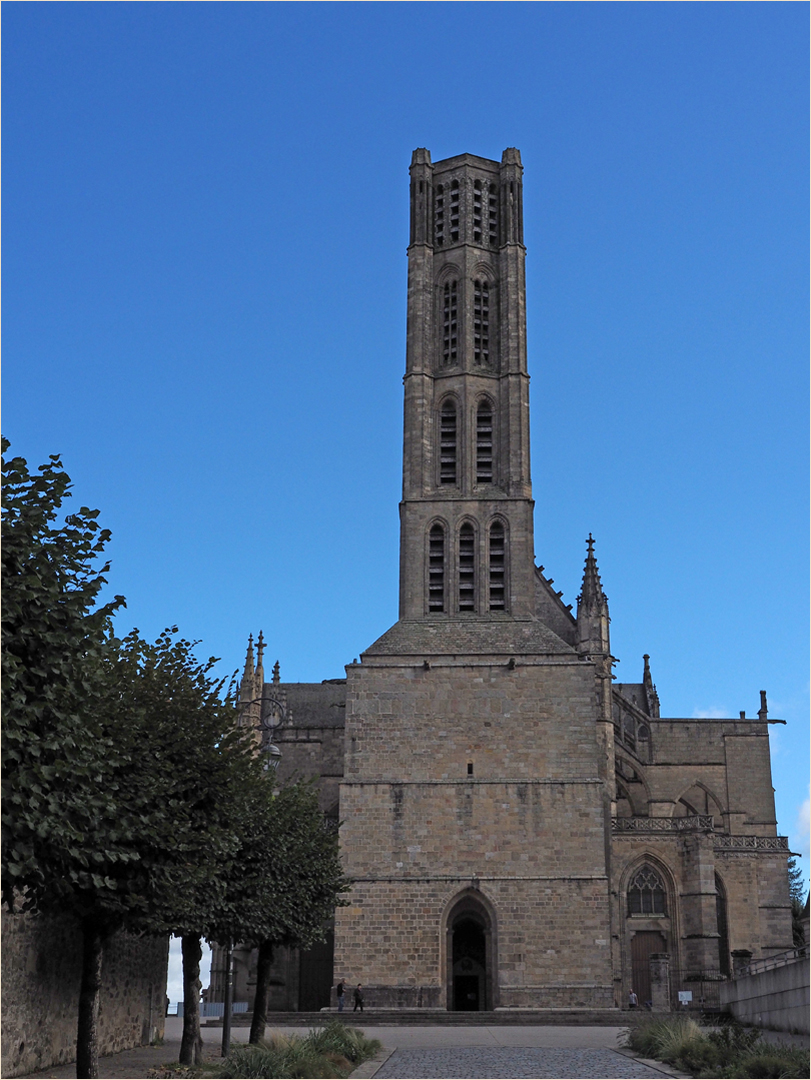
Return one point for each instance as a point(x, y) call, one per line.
point(474, 805)
point(466, 474)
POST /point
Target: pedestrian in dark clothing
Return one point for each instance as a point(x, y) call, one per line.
point(358, 998)
point(339, 990)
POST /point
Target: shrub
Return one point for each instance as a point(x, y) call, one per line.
point(327, 1053)
point(730, 1053)
point(335, 1037)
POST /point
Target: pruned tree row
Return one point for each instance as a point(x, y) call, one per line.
point(132, 798)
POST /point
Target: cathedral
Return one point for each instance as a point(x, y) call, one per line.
point(522, 831)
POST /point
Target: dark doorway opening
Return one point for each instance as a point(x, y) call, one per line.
point(315, 975)
point(468, 932)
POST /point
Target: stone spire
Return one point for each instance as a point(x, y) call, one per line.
point(259, 679)
point(250, 703)
point(592, 610)
point(651, 697)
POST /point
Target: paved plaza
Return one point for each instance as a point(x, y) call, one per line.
point(442, 1051)
point(533, 1063)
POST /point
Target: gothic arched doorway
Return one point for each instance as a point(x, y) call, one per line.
point(470, 956)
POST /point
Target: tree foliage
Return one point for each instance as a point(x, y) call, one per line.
point(132, 798)
point(53, 642)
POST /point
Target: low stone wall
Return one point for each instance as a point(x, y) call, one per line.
point(41, 971)
point(776, 999)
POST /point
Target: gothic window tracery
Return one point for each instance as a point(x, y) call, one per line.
point(646, 893)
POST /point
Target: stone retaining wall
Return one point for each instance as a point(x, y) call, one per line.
point(41, 971)
point(776, 999)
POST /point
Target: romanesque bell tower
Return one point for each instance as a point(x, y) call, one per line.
point(466, 515)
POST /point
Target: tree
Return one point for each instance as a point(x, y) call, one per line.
point(797, 893)
point(305, 884)
point(288, 882)
point(119, 757)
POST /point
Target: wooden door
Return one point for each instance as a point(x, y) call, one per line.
point(643, 944)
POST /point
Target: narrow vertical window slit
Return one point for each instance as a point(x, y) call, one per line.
point(447, 444)
point(467, 568)
point(497, 567)
point(436, 569)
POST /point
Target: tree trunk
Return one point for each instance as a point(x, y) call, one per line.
point(260, 1001)
point(191, 1045)
point(87, 1034)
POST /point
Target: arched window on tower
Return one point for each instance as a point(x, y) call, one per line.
point(481, 322)
point(498, 567)
point(467, 568)
point(484, 443)
point(450, 331)
point(493, 216)
point(447, 443)
point(439, 216)
point(646, 893)
point(436, 568)
point(454, 208)
point(477, 211)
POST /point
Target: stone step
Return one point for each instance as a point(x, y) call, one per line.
point(428, 1017)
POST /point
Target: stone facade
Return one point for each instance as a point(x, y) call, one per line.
point(521, 830)
point(42, 961)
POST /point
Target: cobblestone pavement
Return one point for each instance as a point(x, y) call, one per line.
point(529, 1062)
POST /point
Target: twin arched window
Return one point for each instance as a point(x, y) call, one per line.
point(449, 443)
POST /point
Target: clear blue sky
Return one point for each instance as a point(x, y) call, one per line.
point(204, 237)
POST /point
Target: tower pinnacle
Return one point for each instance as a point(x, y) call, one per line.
point(592, 610)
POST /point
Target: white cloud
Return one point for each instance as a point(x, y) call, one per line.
point(713, 713)
point(174, 981)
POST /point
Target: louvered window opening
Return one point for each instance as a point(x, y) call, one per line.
point(485, 219)
point(454, 211)
point(484, 444)
point(450, 325)
point(481, 322)
point(436, 569)
point(477, 212)
point(439, 216)
point(646, 894)
point(467, 568)
point(497, 567)
point(447, 444)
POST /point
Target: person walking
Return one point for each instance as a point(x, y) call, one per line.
point(633, 1000)
point(339, 990)
point(358, 998)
